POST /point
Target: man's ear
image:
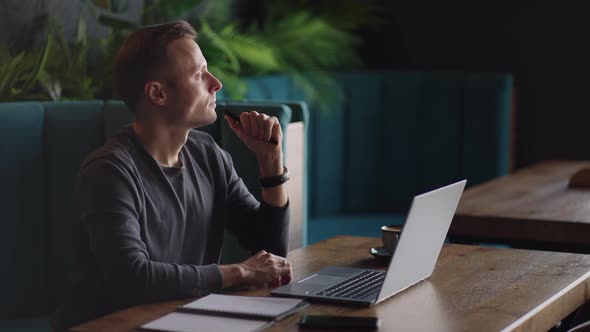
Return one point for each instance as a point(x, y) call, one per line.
point(154, 91)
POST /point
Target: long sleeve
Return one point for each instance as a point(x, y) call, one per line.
point(258, 226)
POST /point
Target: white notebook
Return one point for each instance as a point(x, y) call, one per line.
point(185, 322)
point(216, 312)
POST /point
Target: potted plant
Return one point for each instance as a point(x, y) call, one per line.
point(294, 38)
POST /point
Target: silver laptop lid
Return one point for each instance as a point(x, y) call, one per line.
point(422, 238)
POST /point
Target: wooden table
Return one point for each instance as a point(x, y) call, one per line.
point(532, 208)
point(472, 289)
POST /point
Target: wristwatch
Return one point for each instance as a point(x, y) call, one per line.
point(273, 181)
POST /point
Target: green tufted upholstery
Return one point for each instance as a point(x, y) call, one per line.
point(393, 135)
point(22, 193)
point(42, 146)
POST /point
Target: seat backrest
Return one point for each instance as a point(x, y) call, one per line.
point(44, 145)
point(72, 131)
point(22, 200)
point(395, 134)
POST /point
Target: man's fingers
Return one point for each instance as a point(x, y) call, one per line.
point(268, 128)
point(261, 126)
point(232, 124)
point(265, 127)
point(253, 119)
point(245, 122)
point(255, 128)
point(258, 125)
point(236, 127)
point(286, 276)
point(276, 130)
point(286, 272)
point(285, 280)
point(275, 282)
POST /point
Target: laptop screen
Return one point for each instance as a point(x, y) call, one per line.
point(422, 238)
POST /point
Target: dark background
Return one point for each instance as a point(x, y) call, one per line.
point(545, 45)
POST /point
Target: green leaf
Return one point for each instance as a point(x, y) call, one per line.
point(220, 43)
point(6, 76)
point(251, 50)
point(40, 65)
point(55, 29)
point(313, 42)
point(82, 35)
point(347, 15)
point(51, 85)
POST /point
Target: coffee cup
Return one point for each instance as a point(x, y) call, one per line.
point(390, 236)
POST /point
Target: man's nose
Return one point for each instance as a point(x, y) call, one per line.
point(216, 84)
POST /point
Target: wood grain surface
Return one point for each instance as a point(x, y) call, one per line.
point(533, 205)
point(472, 289)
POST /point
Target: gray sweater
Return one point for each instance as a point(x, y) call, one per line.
point(147, 233)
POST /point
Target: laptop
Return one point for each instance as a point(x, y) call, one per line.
point(413, 260)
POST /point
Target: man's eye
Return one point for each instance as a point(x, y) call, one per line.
point(199, 75)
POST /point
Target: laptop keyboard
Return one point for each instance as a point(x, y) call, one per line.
point(358, 287)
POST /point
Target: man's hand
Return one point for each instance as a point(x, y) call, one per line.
point(258, 131)
point(261, 270)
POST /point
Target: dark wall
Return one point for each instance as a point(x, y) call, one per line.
point(545, 45)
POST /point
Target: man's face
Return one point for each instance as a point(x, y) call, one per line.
point(190, 88)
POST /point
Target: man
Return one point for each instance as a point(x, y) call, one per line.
point(154, 201)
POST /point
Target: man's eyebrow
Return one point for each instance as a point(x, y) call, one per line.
point(191, 67)
point(194, 67)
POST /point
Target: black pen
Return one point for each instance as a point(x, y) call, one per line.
point(237, 119)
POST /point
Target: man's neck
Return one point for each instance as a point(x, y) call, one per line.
point(162, 141)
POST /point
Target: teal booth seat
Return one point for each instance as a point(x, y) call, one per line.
point(395, 134)
point(42, 147)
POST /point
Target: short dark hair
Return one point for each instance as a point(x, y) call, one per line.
point(142, 54)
